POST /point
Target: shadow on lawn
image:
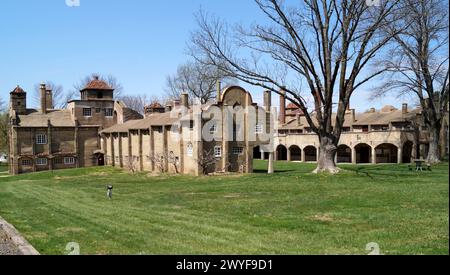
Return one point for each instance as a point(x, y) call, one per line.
point(262, 171)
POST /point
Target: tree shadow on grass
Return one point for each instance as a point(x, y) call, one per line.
point(262, 171)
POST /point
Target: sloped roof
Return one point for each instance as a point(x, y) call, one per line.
point(18, 90)
point(97, 84)
point(58, 118)
point(157, 119)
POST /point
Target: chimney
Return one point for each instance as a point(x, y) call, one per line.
point(267, 100)
point(43, 98)
point(219, 90)
point(282, 106)
point(353, 112)
point(185, 100)
point(404, 108)
point(49, 99)
point(299, 121)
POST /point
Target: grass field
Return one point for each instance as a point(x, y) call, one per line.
point(291, 212)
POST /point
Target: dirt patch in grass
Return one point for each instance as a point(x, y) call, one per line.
point(322, 218)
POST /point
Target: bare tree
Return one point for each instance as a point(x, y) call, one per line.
point(326, 44)
point(132, 164)
point(58, 95)
point(196, 79)
point(135, 102)
point(418, 63)
point(206, 160)
point(174, 161)
point(160, 162)
point(112, 81)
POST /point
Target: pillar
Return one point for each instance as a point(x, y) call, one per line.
point(400, 155)
point(289, 155)
point(354, 155)
point(374, 156)
point(270, 169)
point(302, 155)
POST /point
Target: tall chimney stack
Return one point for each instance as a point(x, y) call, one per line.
point(282, 106)
point(185, 100)
point(49, 99)
point(219, 90)
point(43, 98)
point(404, 108)
point(267, 100)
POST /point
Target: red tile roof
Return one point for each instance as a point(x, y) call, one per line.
point(97, 84)
point(18, 90)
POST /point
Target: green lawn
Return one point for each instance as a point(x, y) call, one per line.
point(291, 212)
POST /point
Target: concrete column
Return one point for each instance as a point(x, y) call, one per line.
point(77, 151)
point(262, 155)
point(270, 169)
point(303, 158)
point(400, 155)
point(374, 155)
point(289, 155)
point(152, 148)
point(119, 136)
point(353, 155)
point(165, 149)
point(336, 158)
point(113, 155)
point(141, 159)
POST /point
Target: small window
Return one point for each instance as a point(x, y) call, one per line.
point(41, 162)
point(237, 150)
point(259, 129)
point(190, 150)
point(27, 162)
point(98, 110)
point(18, 103)
point(41, 139)
point(69, 161)
point(87, 112)
point(109, 112)
point(217, 151)
point(191, 124)
point(57, 161)
point(213, 129)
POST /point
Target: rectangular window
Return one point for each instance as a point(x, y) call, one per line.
point(191, 125)
point(98, 110)
point(57, 161)
point(41, 139)
point(27, 162)
point(237, 150)
point(87, 112)
point(41, 162)
point(259, 129)
point(69, 161)
point(217, 151)
point(109, 112)
point(213, 129)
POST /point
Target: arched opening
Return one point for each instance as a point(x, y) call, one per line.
point(344, 154)
point(296, 153)
point(386, 153)
point(363, 153)
point(310, 153)
point(408, 152)
point(100, 159)
point(281, 152)
point(257, 152)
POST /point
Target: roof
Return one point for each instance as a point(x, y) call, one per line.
point(97, 84)
point(382, 117)
point(18, 90)
point(157, 119)
point(130, 114)
point(34, 118)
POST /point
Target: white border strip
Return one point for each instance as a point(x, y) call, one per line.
point(23, 245)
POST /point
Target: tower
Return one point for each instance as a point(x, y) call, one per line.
point(18, 101)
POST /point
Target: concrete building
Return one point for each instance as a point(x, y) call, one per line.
point(388, 135)
point(154, 143)
point(48, 139)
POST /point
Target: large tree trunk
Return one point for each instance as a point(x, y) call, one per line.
point(434, 154)
point(326, 158)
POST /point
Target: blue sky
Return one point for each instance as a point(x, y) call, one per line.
point(138, 41)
